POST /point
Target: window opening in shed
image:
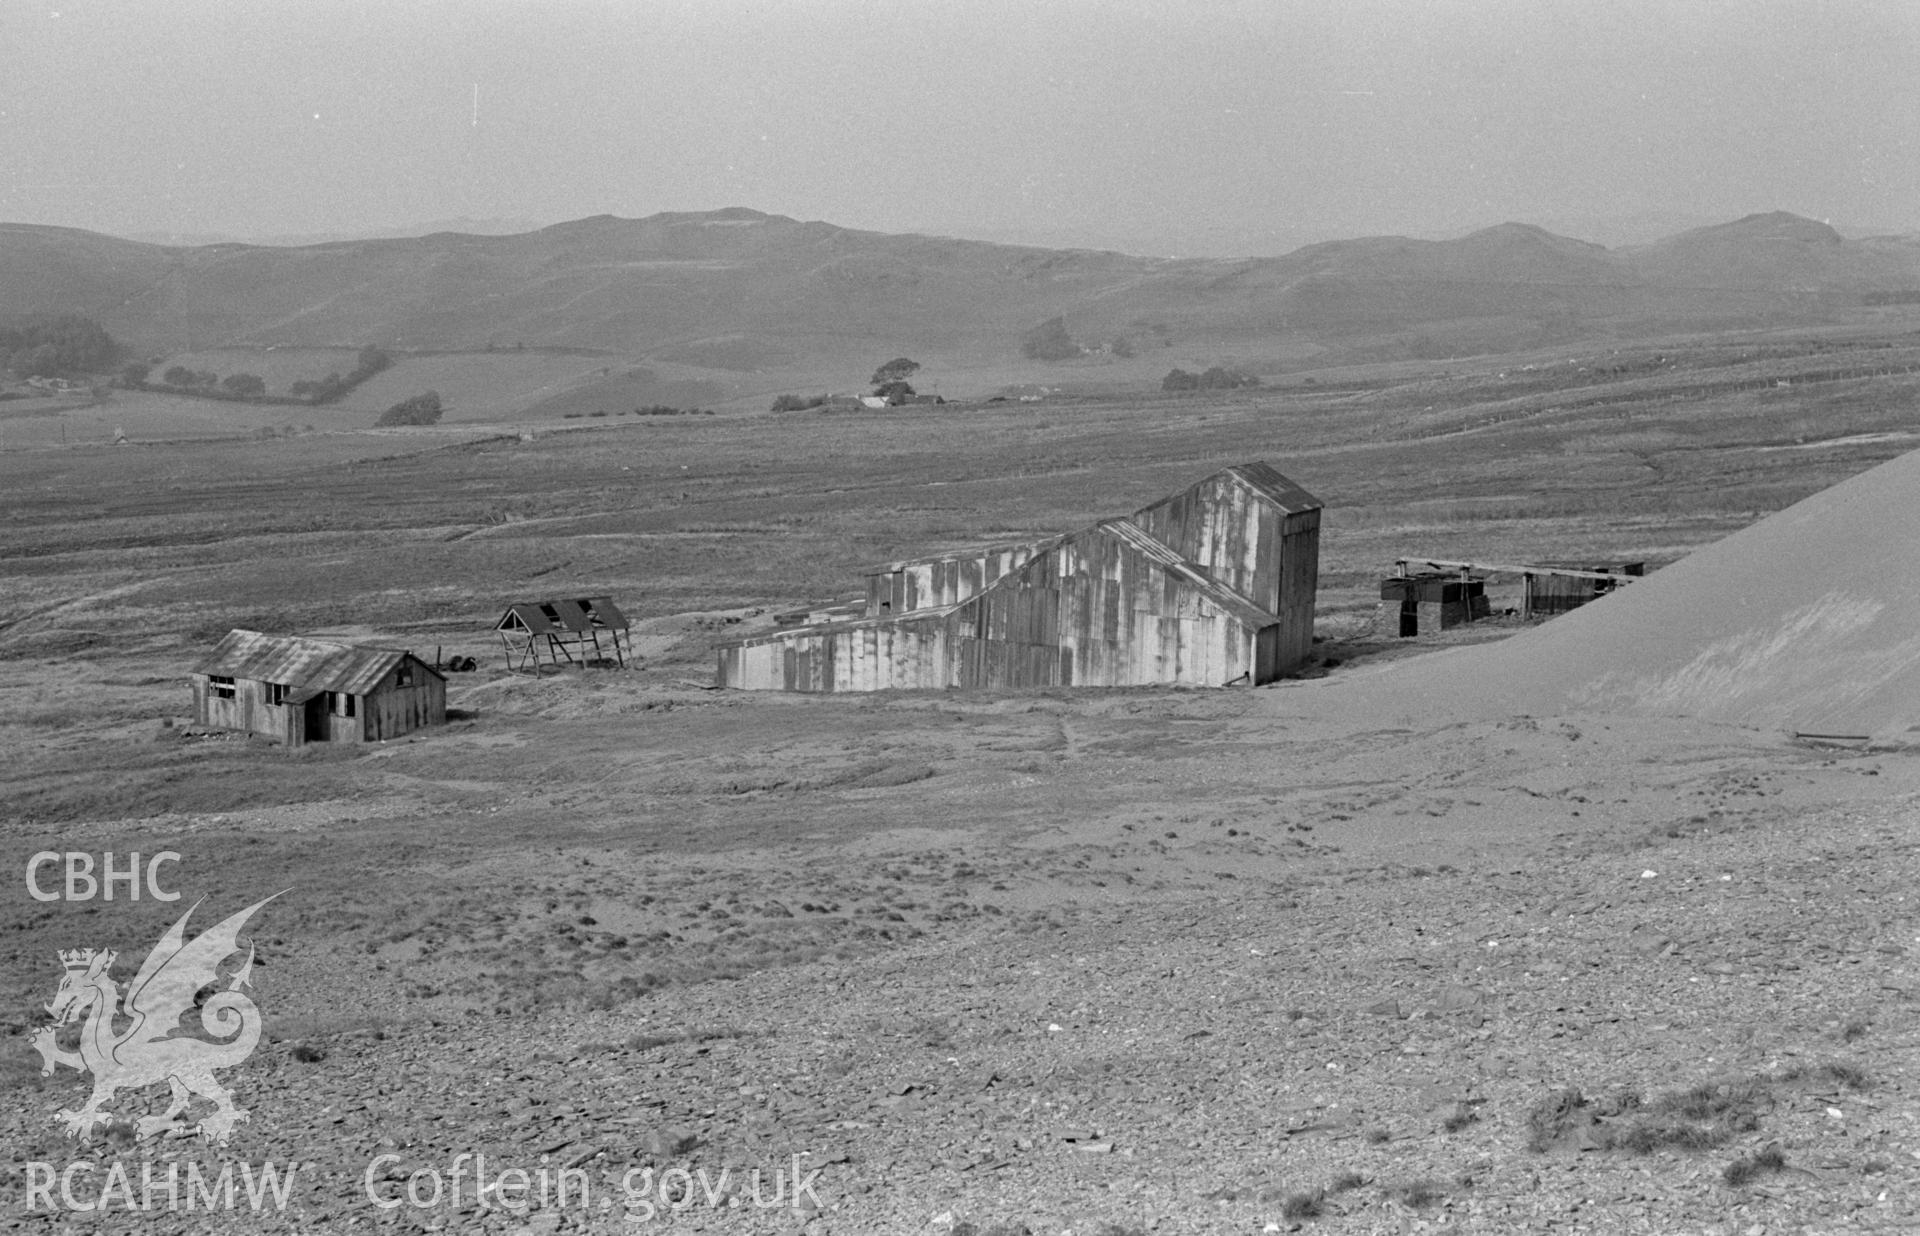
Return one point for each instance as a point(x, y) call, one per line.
point(553, 615)
point(277, 693)
point(219, 687)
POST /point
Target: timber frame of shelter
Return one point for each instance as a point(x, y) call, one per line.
point(297, 690)
point(565, 628)
point(1210, 586)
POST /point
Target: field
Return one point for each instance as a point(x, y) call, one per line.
point(1083, 961)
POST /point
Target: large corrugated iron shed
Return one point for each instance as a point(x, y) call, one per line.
point(302, 663)
point(565, 626)
point(1211, 585)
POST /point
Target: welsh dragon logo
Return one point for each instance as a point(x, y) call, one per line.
point(153, 1046)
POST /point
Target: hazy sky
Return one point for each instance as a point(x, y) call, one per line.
point(1166, 126)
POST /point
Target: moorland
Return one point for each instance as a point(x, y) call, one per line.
point(1073, 960)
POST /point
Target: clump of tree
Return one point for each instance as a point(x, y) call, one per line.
point(1049, 341)
point(890, 380)
point(47, 346)
point(189, 379)
point(1214, 379)
point(333, 387)
point(423, 409)
point(245, 385)
point(798, 403)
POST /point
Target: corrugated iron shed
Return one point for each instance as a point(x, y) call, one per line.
point(1211, 585)
point(307, 665)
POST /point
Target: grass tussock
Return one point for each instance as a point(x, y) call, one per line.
point(1298, 1206)
point(1698, 1118)
point(1415, 1194)
point(1744, 1171)
point(705, 1034)
point(1829, 1072)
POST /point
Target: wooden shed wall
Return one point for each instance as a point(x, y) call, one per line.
point(248, 710)
point(392, 710)
point(1299, 586)
point(941, 582)
point(389, 712)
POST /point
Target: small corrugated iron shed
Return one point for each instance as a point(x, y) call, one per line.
point(299, 690)
point(565, 627)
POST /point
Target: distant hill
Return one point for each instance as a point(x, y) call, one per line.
point(739, 291)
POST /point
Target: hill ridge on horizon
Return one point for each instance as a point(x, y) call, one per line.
point(753, 291)
point(446, 227)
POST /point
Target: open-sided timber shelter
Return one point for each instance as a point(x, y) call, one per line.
point(1455, 593)
point(1559, 587)
point(298, 690)
point(564, 628)
point(1210, 586)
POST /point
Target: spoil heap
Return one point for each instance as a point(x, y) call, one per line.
point(1808, 621)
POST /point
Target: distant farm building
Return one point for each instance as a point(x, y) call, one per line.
point(565, 629)
point(1211, 586)
point(297, 690)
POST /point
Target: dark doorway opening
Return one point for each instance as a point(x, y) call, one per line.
point(316, 718)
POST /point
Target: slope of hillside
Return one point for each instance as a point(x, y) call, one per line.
point(744, 291)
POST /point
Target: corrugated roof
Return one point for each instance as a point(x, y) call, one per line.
point(573, 617)
point(976, 551)
point(1264, 479)
point(783, 634)
point(302, 663)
